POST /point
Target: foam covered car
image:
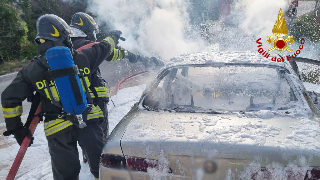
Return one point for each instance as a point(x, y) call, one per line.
point(218, 115)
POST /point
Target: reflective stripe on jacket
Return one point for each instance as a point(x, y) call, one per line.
point(12, 112)
point(102, 92)
point(95, 113)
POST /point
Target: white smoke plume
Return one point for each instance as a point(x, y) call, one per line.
point(161, 27)
point(259, 16)
point(151, 27)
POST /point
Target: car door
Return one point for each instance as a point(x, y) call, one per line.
point(308, 71)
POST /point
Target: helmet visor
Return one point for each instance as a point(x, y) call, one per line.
point(77, 33)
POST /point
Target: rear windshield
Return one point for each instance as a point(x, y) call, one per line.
point(227, 88)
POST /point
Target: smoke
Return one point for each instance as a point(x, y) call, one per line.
point(162, 28)
point(258, 19)
point(247, 21)
point(259, 16)
point(151, 27)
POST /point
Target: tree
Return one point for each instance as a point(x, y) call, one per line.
point(33, 9)
point(13, 32)
point(306, 27)
point(18, 23)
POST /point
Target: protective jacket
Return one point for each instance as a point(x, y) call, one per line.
point(33, 78)
point(100, 93)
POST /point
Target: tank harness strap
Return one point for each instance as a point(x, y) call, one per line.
point(71, 73)
point(89, 99)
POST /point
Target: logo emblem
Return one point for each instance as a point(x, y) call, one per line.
point(56, 32)
point(81, 22)
point(280, 30)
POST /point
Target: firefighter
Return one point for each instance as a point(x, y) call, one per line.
point(85, 29)
point(62, 132)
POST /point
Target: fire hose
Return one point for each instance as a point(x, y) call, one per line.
point(128, 77)
point(24, 146)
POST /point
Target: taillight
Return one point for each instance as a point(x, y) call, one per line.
point(113, 161)
point(312, 174)
point(262, 174)
point(131, 163)
point(142, 164)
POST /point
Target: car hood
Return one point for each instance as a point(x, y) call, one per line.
point(233, 136)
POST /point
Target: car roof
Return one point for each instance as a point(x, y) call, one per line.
point(235, 57)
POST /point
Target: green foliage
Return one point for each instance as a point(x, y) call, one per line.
point(13, 32)
point(311, 77)
point(306, 27)
point(11, 66)
point(28, 47)
point(18, 24)
point(33, 9)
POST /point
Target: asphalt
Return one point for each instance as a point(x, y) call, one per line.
point(112, 72)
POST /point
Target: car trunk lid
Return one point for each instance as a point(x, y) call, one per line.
point(184, 142)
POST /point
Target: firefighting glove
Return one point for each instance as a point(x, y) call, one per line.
point(115, 35)
point(129, 55)
point(152, 62)
point(20, 133)
point(132, 57)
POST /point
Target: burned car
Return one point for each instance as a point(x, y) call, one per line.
point(218, 115)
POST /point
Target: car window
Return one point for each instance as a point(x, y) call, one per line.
point(229, 88)
point(309, 72)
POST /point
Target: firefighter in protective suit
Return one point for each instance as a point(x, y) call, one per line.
point(85, 29)
point(62, 132)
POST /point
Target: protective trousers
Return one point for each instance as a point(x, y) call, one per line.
point(64, 152)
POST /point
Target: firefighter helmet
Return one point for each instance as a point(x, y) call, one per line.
point(86, 24)
point(52, 27)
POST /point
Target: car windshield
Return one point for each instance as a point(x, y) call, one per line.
point(226, 88)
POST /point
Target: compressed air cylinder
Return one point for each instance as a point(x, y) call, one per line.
point(68, 84)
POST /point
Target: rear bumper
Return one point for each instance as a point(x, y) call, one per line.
point(115, 174)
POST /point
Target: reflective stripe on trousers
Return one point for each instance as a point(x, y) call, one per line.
point(55, 126)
